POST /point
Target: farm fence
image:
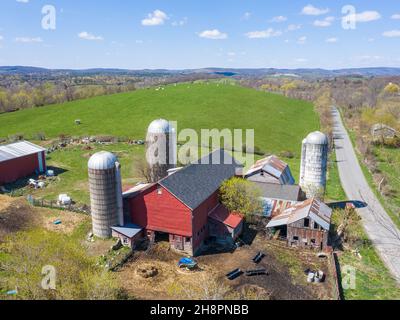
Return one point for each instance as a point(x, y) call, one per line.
point(52, 204)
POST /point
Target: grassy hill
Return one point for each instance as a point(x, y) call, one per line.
point(280, 124)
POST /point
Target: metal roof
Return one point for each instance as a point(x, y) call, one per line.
point(18, 150)
point(318, 138)
point(195, 183)
point(274, 167)
point(279, 191)
point(102, 160)
point(129, 230)
point(311, 208)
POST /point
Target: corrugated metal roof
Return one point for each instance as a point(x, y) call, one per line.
point(274, 167)
point(313, 208)
point(18, 150)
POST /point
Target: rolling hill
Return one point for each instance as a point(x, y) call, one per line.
point(280, 124)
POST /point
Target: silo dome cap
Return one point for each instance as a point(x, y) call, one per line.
point(317, 137)
point(102, 160)
point(160, 126)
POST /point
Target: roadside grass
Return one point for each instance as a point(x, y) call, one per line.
point(387, 163)
point(373, 280)
point(334, 189)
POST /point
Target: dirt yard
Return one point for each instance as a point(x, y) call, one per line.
point(17, 215)
point(286, 279)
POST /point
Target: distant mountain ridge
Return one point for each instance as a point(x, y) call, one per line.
point(316, 73)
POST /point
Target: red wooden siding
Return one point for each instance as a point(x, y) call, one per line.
point(17, 168)
point(200, 219)
point(161, 212)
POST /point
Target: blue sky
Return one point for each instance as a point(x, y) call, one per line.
point(178, 34)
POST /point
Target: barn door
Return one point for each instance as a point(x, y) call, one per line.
point(179, 243)
point(40, 159)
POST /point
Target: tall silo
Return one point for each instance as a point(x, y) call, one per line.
point(161, 152)
point(314, 163)
point(105, 193)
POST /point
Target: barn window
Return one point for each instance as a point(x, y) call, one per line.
point(316, 226)
point(313, 241)
point(295, 238)
point(187, 239)
point(306, 223)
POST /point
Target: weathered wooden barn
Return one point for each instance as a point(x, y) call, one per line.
point(19, 160)
point(179, 207)
point(270, 170)
point(278, 197)
point(306, 224)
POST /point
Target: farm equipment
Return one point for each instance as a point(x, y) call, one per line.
point(257, 259)
point(234, 274)
point(187, 263)
point(258, 272)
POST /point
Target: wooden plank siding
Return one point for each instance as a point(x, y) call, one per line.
point(300, 235)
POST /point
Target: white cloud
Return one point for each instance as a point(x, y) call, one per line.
point(310, 10)
point(89, 36)
point(231, 54)
point(156, 18)
point(28, 40)
point(392, 34)
point(269, 33)
point(213, 34)
point(366, 16)
point(396, 16)
point(332, 40)
point(1, 38)
point(302, 40)
point(327, 22)
point(301, 60)
point(279, 19)
point(180, 23)
point(293, 27)
point(23, 1)
point(247, 16)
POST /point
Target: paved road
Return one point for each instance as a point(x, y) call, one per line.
point(381, 230)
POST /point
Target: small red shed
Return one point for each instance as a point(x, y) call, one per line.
point(178, 206)
point(21, 159)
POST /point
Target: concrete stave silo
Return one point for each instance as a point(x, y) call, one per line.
point(161, 154)
point(105, 193)
point(314, 164)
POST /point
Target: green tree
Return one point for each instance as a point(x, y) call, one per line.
point(241, 196)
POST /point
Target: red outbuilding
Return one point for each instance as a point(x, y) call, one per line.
point(19, 160)
point(178, 207)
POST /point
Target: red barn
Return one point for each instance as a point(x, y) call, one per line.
point(178, 207)
point(19, 160)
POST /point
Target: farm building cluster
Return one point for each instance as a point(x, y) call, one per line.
point(182, 205)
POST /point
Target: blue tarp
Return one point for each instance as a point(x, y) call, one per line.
point(187, 262)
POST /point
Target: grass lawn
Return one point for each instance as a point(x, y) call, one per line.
point(373, 280)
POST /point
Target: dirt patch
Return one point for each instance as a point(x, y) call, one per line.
point(69, 221)
point(16, 215)
point(285, 280)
